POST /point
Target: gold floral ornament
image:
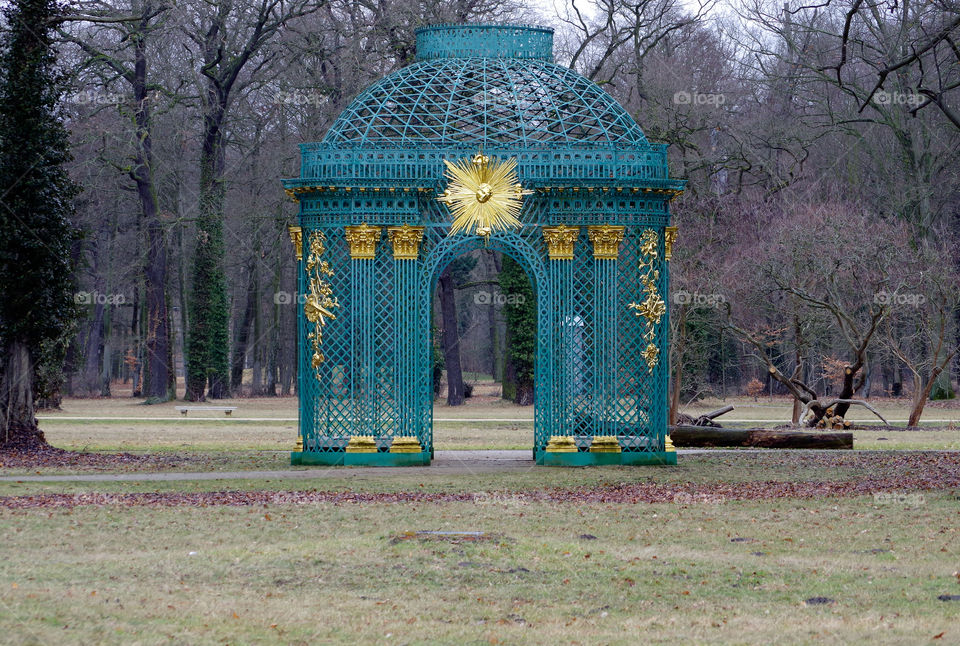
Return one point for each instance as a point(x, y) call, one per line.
point(652, 307)
point(484, 194)
point(319, 303)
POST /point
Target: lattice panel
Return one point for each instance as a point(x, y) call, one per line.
point(641, 392)
point(327, 403)
point(484, 101)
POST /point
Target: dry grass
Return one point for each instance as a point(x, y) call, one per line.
point(353, 574)
point(778, 410)
point(269, 424)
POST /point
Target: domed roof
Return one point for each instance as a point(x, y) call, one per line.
point(489, 85)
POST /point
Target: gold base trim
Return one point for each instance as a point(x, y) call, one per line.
point(361, 444)
point(605, 444)
point(561, 444)
point(405, 445)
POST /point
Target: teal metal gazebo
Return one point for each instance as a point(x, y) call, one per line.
point(373, 239)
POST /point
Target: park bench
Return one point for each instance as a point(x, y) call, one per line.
point(226, 409)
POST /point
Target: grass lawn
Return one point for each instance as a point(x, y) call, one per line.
point(541, 573)
point(262, 425)
point(548, 557)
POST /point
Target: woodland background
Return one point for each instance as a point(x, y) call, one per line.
point(817, 252)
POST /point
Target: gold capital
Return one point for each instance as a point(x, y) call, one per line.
point(560, 240)
point(296, 237)
point(405, 241)
point(606, 239)
point(669, 237)
point(363, 241)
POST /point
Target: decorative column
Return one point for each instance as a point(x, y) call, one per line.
point(653, 309)
point(363, 240)
point(296, 237)
point(406, 250)
point(318, 306)
point(669, 237)
point(606, 241)
point(559, 402)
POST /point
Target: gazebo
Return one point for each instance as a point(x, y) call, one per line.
point(374, 234)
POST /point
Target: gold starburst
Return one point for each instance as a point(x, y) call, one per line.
point(484, 194)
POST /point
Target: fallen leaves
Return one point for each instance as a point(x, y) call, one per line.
point(896, 473)
point(51, 457)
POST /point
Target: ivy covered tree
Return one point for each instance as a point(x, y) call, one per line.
point(37, 311)
point(520, 314)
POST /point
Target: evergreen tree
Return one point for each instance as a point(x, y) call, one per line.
point(37, 310)
point(520, 314)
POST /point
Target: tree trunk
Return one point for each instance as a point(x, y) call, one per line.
point(242, 334)
point(757, 437)
point(16, 398)
point(157, 373)
point(848, 390)
point(525, 392)
point(676, 354)
point(209, 336)
point(93, 353)
point(451, 339)
point(921, 393)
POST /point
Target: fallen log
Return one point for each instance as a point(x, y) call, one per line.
point(717, 413)
point(704, 420)
point(701, 436)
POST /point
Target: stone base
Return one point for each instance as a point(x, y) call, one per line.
point(581, 459)
point(340, 458)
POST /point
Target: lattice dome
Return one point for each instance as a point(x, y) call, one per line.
point(488, 85)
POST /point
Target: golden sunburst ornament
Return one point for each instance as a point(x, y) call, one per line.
point(484, 194)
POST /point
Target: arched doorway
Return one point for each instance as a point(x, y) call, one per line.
point(531, 261)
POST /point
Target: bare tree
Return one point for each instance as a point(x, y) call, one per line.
point(132, 26)
point(920, 331)
point(819, 273)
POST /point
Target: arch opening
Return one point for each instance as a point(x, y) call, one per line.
point(482, 296)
